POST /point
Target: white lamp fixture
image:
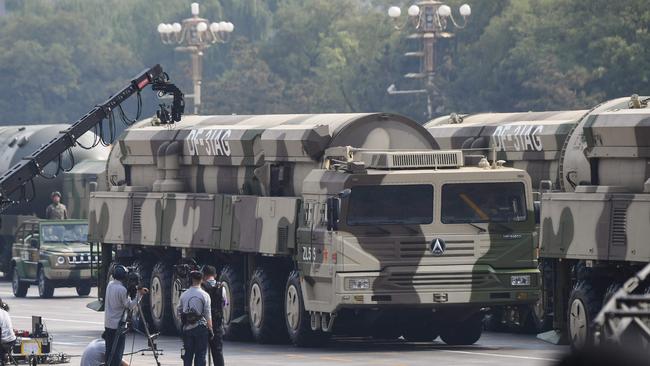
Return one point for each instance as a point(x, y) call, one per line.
point(465, 10)
point(195, 9)
point(414, 10)
point(444, 11)
point(394, 12)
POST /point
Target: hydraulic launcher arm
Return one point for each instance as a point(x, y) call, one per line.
point(31, 166)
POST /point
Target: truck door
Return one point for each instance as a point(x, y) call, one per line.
point(319, 258)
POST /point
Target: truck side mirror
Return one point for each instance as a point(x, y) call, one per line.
point(537, 211)
point(33, 243)
point(333, 204)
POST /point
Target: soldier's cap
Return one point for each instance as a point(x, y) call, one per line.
point(196, 275)
point(56, 193)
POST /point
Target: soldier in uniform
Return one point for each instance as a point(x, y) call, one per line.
point(215, 290)
point(56, 210)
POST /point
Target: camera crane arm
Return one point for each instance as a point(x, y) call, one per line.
point(32, 165)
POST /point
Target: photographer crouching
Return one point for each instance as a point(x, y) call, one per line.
point(117, 302)
point(194, 309)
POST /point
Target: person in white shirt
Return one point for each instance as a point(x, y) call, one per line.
point(116, 301)
point(95, 354)
point(7, 335)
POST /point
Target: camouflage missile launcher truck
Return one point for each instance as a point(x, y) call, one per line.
point(320, 224)
point(592, 170)
point(51, 254)
point(17, 142)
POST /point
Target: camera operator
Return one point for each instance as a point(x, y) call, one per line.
point(194, 309)
point(117, 301)
point(215, 290)
point(7, 337)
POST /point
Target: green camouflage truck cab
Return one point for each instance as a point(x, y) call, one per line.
point(51, 254)
point(591, 169)
point(320, 224)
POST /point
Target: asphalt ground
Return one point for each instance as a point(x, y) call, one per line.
point(72, 326)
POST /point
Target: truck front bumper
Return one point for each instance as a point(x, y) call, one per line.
point(72, 275)
point(476, 286)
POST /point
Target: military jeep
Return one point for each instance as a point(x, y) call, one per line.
point(51, 254)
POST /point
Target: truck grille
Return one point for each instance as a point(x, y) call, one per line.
point(82, 259)
point(439, 280)
point(454, 249)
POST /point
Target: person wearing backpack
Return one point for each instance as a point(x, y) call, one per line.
point(194, 310)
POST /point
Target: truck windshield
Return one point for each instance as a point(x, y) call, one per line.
point(391, 205)
point(483, 202)
point(58, 233)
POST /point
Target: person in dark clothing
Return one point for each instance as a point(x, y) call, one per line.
point(215, 290)
point(194, 310)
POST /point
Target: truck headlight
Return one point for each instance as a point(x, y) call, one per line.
point(60, 260)
point(523, 280)
point(359, 284)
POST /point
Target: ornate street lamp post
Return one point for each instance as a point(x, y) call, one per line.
point(430, 19)
point(193, 35)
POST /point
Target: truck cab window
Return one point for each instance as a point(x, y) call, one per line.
point(483, 202)
point(391, 205)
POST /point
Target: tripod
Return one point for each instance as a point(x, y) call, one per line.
point(123, 329)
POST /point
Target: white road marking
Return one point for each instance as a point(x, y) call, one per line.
point(499, 355)
point(60, 320)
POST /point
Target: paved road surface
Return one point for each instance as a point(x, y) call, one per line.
point(72, 326)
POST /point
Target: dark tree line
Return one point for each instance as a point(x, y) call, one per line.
point(59, 57)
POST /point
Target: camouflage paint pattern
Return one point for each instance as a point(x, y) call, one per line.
point(28, 260)
point(259, 185)
point(18, 142)
point(608, 218)
point(532, 141)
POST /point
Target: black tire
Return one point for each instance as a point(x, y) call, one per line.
point(420, 332)
point(265, 307)
point(235, 289)
point(161, 299)
point(494, 322)
point(177, 289)
point(45, 288)
point(610, 291)
point(297, 319)
point(83, 289)
point(465, 332)
point(584, 304)
point(19, 288)
point(144, 272)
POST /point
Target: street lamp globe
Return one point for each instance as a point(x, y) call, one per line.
point(176, 27)
point(444, 11)
point(394, 11)
point(414, 10)
point(161, 28)
point(231, 27)
point(465, 10)
point(195, 9)
point(202, 27)
point(214, 27)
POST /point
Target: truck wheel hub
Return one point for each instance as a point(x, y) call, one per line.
point(578, 323)
point(256, 305)
point(293, 308)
